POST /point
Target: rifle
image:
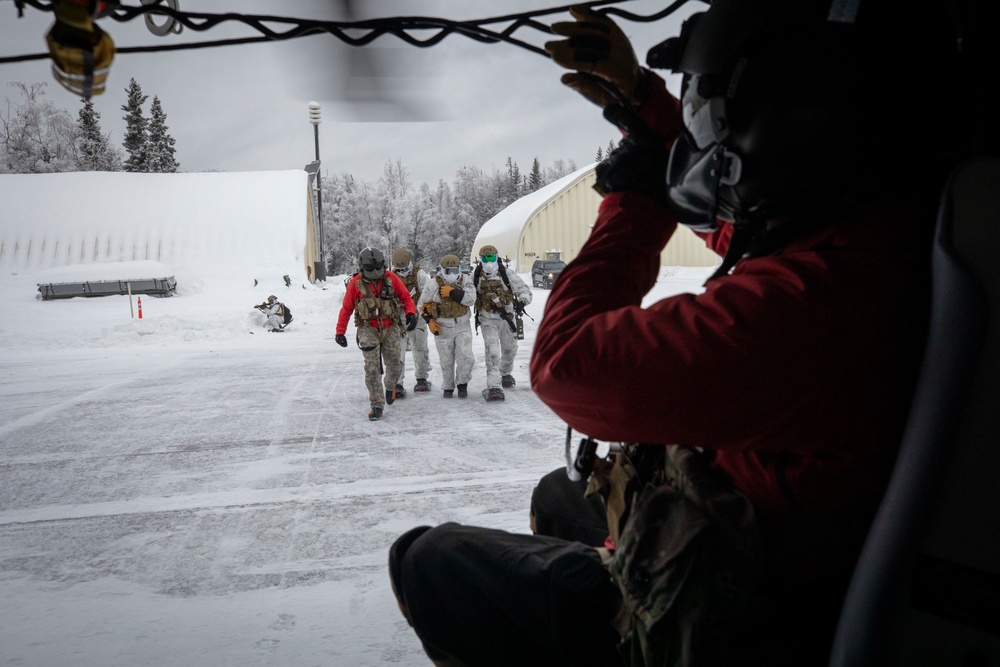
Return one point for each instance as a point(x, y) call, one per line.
point(504, 315)
point(520, 309)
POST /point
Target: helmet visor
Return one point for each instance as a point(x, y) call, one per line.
point(489, 258)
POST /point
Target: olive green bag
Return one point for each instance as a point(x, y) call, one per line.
point(688, 556)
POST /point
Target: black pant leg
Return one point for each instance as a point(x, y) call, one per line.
point(559, 509)
point(482, 597)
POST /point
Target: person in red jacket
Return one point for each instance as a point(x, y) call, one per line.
point(375, 297)
point(790, 376)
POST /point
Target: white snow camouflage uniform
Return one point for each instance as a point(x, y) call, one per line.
point(275, 313)
point(454, 344)
point(416, 282)
point(500, 342)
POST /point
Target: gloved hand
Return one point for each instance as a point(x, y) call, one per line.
point(341, 340)
point(445, 291)
point(425, 312)
point(607, 71)
point(411, 321)
point(456, 294)
point(434, 327)
point(638, 164)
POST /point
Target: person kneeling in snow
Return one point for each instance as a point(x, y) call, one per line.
point(278, 315)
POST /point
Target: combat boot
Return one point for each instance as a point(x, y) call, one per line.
point(375, 414)
point(422, 385)
point(493, 394)
point(507, 381)
point(463, 391)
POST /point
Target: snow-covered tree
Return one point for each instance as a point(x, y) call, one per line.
point(94, 151)
point(35, 136)
point(434, 235)
point(136, 140)
point(558, 170)
point(345, 217)
point(389, 210)
point(600, 154)
point(160, 145)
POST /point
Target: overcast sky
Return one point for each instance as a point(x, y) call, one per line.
point(245, 108)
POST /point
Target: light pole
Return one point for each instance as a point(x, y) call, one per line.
point(315, 118)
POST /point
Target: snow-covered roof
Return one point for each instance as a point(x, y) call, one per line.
point(504, 229)
point(202, 222)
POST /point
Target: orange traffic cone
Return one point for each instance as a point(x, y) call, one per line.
point(139, 299)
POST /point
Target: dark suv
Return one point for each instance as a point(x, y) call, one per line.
point(545, 271)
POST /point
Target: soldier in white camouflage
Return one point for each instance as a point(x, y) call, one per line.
point(497, 290)
point(446, 306)
point(415, 279)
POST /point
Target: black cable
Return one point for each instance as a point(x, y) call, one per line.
point(398, 26)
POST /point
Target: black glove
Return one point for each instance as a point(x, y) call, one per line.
point(639, 164)
point(457, 294)
point(411, 321)
point(606, 69)
point(341, 340)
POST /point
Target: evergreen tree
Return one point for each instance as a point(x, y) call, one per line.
point(611, 148)
point(535, 178)
point(160, 145)
point(600, 155)
point(136, 127)
point(513, 190)
point(94, 151)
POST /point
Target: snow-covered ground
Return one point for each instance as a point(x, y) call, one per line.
point(188, 489)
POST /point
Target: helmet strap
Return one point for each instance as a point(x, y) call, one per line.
point(747, 229)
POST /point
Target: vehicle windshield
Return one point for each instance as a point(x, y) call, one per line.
point(552, 266)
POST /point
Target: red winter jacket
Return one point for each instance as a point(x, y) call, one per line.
point(797, 369)
point(353, 294)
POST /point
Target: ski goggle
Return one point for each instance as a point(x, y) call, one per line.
point(451, 270)
point(371, 266)
point(401, 271)
point(489, 258)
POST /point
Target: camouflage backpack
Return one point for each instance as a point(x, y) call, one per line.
point(688, 557)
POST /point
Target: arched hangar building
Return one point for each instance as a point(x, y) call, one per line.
point(554, 221)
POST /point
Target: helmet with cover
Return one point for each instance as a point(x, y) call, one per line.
point(791, 108)
point(401, 265)
point(272, 299)
point(450, 269)
point(400, 257)
point(371, 262)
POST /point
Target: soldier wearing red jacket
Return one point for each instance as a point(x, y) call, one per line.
point(375, 297)
point(789, 377)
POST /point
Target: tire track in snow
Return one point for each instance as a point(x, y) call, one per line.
point(248, 498)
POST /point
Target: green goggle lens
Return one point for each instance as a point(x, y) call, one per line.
point(489, 258)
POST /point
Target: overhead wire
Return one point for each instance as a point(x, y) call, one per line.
point(400, 27)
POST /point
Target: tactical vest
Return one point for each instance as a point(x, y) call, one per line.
point(447, 307)
point(412, 285)
point(370, 306)
point(489, 288)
